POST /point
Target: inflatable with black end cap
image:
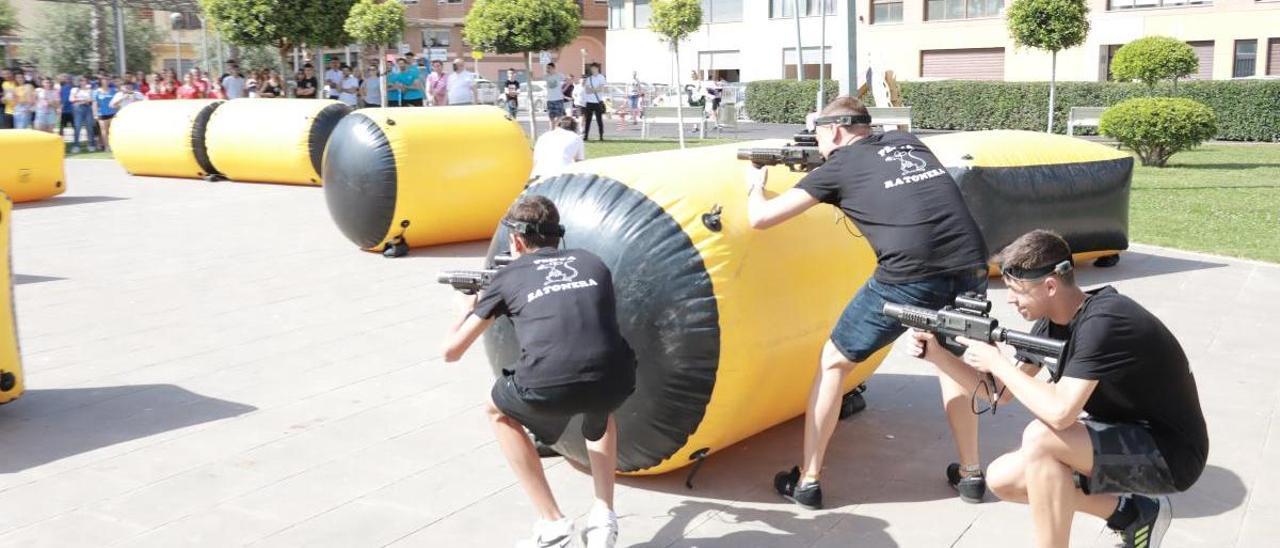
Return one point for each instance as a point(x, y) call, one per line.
point(1018, 181)
point(727, 322)
point(272, 140)
point(11, 382)
point(423, 176)
point(164, 138)
point(31, 164)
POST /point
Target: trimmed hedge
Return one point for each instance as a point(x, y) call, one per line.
point(1246, 109)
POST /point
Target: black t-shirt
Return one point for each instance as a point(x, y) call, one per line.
point(307, 83)
point(1143, 376)
point(513, 90)
point(562, 305)
point(904, 202)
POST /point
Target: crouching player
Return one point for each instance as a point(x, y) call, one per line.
point(573, 361)
point(1142, 435)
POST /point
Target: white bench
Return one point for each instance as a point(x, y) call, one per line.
point(1083, 116)
point(890, 116)
point(668, 115)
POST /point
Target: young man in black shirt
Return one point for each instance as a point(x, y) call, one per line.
point(512, 92)
point(928, 249)
point(307, 84)
point(1143, 433)
point(573, 361)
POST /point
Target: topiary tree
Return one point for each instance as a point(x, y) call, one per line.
point(522, 26)
point(282, 24)
point(1050, 25)
point(675, 20)
point(377, 23)
point(1154, 58)
point(1158, 127)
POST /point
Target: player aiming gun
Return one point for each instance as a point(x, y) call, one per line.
point(801, 154)
point(470, 282)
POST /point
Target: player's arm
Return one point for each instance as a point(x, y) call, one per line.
point(763, 212)
point(1057, 405)
point(465, 331)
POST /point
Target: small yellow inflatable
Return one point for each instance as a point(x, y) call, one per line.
point(727, 322)
point(11, 385)
point(272, 140)
point(164, 138)
point(31, 164)
point(423, 176)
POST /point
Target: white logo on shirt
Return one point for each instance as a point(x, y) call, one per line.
point(560, 270)
point(907, 160)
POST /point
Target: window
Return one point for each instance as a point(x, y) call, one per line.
point(714, 65)
point(886, 11)
point(963, 64)
point(1204, 52)
point(435, 37)
point(185, 21)
point(1246, 59)
point(786, 8)
point(721, 11)
point(449, 1)
point(1147, 4)
point(1105, 57)
point(1273, 57)
point(642, 14)
point(937, 10)
point(615, 14)
point(811, 63)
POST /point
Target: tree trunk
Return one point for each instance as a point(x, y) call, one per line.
point(1053, 73)
point(528, 69)
point(799, 47)
point(382, 75)
point(95, 38)
point(284, 49)
point(675, 48)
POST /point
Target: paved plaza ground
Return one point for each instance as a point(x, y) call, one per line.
point(213, 364)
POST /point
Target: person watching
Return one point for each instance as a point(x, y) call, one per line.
point(574, 361)
point(928, 250)
point(461, 85)
point(1142, 434)
point(558, 149)
point(307, 83)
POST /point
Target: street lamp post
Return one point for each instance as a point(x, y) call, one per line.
point(174, 19)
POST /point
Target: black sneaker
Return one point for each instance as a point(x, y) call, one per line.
point(972, 489)
point(808, 495)
point(1154, 516)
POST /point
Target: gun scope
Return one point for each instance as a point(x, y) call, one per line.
point(973, 302)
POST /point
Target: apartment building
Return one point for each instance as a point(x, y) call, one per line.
point(744, 40)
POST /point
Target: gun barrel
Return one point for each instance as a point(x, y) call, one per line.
point(911, 316)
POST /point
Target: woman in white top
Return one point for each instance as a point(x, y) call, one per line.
point(558, 149)
point(593, 100)
point(48, 106)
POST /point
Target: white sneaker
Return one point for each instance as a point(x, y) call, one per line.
point(550, 534)
point(602, 528)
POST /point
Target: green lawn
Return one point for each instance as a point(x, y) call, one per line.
point(89, 156)
point(1222, 199)
point(601, 149)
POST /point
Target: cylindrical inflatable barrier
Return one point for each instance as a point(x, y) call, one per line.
point(1018, 181)
point(31, 164)
point(272, 140)
point(164, 138)
point(423, 176)
point(727, 322)
point(11, 382)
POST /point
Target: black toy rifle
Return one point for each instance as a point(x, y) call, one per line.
point(470, 282)
point(801, 154)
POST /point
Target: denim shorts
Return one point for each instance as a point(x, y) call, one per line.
point(863, 328)
point(555, 109)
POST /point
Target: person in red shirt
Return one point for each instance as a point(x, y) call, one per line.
point(200, 82)
point(188, 89)
point(159, 88)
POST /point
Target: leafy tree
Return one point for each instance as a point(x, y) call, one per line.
point(675, 20)
point(1154, 58)
point(1050, 25)
point(282, 24)
point(8, 18)
point(1158, 127)
point(375, 23)
point(61, 36)
point(522, 26)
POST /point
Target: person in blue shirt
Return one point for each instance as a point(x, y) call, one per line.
point(406, 84)
point(64, 89)
point(103, 111)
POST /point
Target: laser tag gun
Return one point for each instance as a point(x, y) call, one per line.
point(801, 154)
point(969, 318)
point(470, 282)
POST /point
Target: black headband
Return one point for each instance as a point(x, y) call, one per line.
point(842, 119)
point(1028, 274)
point(530, 229)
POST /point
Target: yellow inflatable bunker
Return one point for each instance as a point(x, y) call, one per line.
point(31, 164)
point(1018, 181)
point(164, 138)
point(10, 358)
point(272, 140)
point(727, 322)
point(423, 176)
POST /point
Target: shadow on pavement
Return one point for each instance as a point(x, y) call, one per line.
point(19, 279)
point(67, 200)
point(1218, 491)
point(788, 528)
point(44, 426)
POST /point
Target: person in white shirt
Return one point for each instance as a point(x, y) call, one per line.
point(371, 89)
point(462, 85)
point(593, 100)
point(555, 94)
point(126, 96)
point(233, 84)
point(349, 87)
point(558, 149)
point(333, 79)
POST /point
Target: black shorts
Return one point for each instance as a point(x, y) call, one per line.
point(411, 102)
point(106, 117)
point(546, 412)
point(1126, 459)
